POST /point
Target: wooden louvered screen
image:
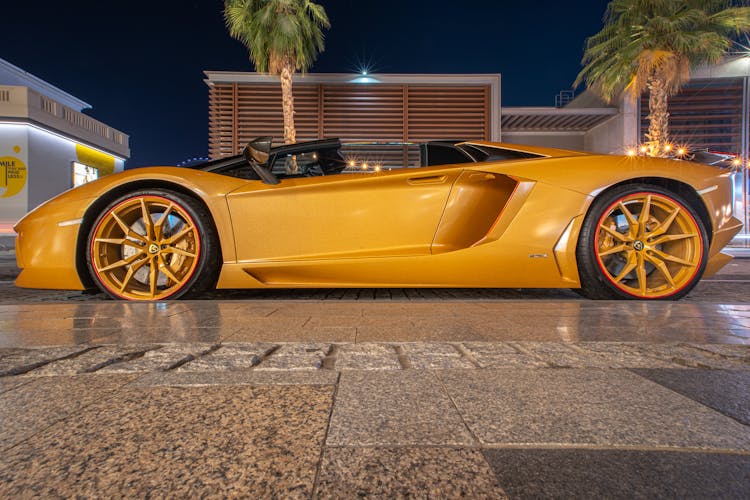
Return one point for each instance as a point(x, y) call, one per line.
point(448, 113)
point(240, 112)
point(221, 123)
point(363, 112)
point(704, 115)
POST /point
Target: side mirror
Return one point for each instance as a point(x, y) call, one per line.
point(256, 154)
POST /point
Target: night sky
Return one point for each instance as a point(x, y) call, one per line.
point(140, 63)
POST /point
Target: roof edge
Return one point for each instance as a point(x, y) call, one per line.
point(45, 88)
point(254, 77)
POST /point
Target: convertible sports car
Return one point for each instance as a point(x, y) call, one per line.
point(476, 214)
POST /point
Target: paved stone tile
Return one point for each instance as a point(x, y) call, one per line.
point(431, 356)
point(296, 357)
point(280, 333)
point(557, 354)
point(367, 357)
point(61, 337)
point(617, 474)
point(150, 334)
point(407, 407)
point(230, 356)
point(10, 350)
point(501, 355)
point(693, 357)
point(161, 358)
point(31, 407)
point(591, 355)
point(593, 407)
point(390, 330)
point(406, 473)
point(92, 360)
point(724, 391)
point(8, 383)
point(178, 442)
point(239, 377)
point(306, 308)
point(26, 360)
point(740, 352)
point(619, 355)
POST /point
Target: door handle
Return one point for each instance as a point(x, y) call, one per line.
point(429, 179)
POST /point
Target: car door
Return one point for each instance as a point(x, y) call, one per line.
point(353, 215)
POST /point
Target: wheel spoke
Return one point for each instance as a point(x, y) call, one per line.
point(148, 223)
point(645, 214)
point(167, 270)
point(629, 266)
point(127, 229)
point(153, 275)
point(177, 237)
point(641, 273)
point(673, 237)
point(120, 263)
point(615, 234)
point(664, 226)
point(131, 272)
point(159, 226)
point(632, 221)
point(119, 241)
point(662, 267)
point(671, 258)
point(616, 249)
point(179, 251)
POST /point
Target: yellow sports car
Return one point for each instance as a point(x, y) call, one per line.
point(475, 214)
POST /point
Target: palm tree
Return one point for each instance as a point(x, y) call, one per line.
point(651, 45)
point(282, 36)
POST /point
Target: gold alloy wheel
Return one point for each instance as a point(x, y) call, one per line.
point(145, 248)
point(648, 245)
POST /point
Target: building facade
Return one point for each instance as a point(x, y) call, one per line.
point(47, 145)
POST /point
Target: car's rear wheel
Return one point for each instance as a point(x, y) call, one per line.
point(641, 241)
point(153, 245)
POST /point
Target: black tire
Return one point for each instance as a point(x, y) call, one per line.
point(604, 268)
point(201, 270)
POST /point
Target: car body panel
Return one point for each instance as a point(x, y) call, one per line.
point(333, 217)
point(511, 223)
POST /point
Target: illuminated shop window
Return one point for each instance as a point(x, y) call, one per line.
point(83, 174)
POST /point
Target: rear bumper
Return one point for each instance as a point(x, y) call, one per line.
point(717, 259)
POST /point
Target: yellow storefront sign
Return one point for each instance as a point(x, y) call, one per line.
point(13, 176)
point(103, 162)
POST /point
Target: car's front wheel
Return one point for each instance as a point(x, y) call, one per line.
point(641, 241)
point(153, 245)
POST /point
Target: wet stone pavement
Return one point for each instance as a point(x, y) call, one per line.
point(388, 393)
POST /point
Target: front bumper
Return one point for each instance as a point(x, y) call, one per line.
point(46, 255)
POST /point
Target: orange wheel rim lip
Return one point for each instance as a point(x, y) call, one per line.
point(686, 281)
point(183, 213)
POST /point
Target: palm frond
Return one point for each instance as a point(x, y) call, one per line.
point(277, 32)
point(646, 39)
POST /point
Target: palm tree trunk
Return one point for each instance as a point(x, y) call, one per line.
point(287, 102)
point(658, 117)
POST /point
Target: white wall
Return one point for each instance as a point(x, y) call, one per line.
point(50, 166)
point(563, 140)
point(616, 134)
